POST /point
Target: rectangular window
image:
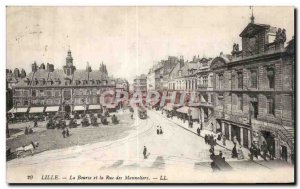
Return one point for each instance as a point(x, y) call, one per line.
point(67, 95)
point(270, 105)
point(33, 93)
point(25, 102)
point(18, 93)
point(211, 81)
point(57, 93)
point(240, 102)
point(41, 92)
point(240, 80)
point(26, 93)
point(233, 80)
point(253, 78)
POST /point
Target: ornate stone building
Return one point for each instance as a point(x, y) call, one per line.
point(48, 89)
point(254, 90)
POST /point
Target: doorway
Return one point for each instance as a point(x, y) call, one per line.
point(235, 131)
point(254, 110)
point(270, 141)
point(284, 153)
point(67, 108)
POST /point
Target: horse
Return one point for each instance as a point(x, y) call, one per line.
point(27, 148)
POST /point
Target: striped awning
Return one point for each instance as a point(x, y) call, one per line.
point(21, 110)
point(36, 110)
point(52, 108)
point(94, 107)
point(194, 112)
point(79, 108)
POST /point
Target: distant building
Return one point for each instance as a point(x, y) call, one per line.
point(140, 84)
point(122, 88)
point(69, 89)
point(151, 80)
point(254, 91)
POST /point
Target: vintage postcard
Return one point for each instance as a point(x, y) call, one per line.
point(146, 94)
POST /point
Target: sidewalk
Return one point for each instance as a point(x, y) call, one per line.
point(229, 144)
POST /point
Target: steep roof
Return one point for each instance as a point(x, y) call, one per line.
point(59, 75)
point(252, 29)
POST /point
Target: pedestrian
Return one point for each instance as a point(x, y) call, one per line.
point(221, 154)
point(224, 140)
point(219, 136)
point(26, 130)
point(30, 130)
point(205, 139)
point(198, 131)
point(264, 150)
point(240, 153)
point(67, 132)
point(212, 152)
point(271, 152)
point(234, 152)
point(145, 152)
point(131, 116)
point(211, 139)
point(157, 130)
point(35, 123)
point(64, 133)
point(160, 131)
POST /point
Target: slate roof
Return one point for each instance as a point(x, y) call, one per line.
point(59, 75)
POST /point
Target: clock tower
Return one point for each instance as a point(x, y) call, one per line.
point(255, 37)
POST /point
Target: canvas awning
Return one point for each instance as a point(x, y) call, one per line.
point(36, 110)
point(13, 110)
point(194, 112)
point(21, 110)
point(52, 109)
point(110, 106)
point(169, 108)
point(79, 108)
point(94, 107)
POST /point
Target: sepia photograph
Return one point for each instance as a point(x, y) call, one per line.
point(150, 94)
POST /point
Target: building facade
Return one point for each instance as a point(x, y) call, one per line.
point(68, 89)
point(254, 91)
point(140, 84)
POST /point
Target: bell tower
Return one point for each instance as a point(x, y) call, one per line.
point(69, 68)
point(69, 59)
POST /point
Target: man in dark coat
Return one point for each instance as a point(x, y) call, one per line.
point(160, 131)
point(64, 133)
point(198, 131)
point(26, 130)
point(35, 123)
point(145, 152)
point(234, 152)
point(157, 130)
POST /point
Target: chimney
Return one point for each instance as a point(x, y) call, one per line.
point(34, 67)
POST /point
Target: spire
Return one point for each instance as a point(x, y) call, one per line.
point(252, 17)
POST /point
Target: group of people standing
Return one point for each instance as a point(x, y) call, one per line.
point(159, 130)
point(265, 151)
point(28, 130)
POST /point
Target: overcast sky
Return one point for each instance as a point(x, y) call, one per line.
point(129, 40)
